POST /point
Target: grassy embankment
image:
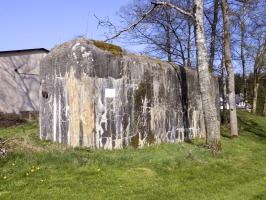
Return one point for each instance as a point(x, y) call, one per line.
point(42, 170)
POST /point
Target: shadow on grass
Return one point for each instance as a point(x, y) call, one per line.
point(225, 130)
point(252, 127)
point(226, 135)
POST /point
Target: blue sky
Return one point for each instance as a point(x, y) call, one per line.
point(29, 24)
point(45, 23)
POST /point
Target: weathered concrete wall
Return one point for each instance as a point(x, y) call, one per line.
point(90, 97)
point(19, 84)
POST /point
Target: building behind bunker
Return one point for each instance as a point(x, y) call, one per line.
point(93, 94)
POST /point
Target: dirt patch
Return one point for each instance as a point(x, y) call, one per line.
point(7, 120)
point(9, 145)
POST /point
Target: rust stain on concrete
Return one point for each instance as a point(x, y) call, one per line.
point(73, 88)
point(87, 113)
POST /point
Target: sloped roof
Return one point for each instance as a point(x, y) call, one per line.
point(24, 51)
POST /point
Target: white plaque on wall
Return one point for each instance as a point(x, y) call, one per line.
point(109, 93)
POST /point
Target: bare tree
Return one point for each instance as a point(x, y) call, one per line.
point(247, 34)
point(165, 33)
point(213, 33)
point(243, 33)
point(189, 36)
point(264, 109)
point(256, 47)
point(168, 34)
point(209, 108)
point(230, 71)
point(224, 89)
point(259, 73)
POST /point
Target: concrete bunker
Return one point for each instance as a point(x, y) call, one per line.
point(93, 97)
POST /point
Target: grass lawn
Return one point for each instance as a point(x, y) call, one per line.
point(42, 170)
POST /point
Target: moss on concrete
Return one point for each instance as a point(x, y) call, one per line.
point(114, 49)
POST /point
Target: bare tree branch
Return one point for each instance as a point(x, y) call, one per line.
point(134, 24)
point(154, 5)
point(163, 3)
point(208, 19)
point(105, 23)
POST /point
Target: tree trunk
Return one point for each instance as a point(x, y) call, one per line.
point(255, 92)
point(243, 31)
point(207, 95)
point(213, 34)
point(188, 36)
point(168, 36)
point(264, 109)
point(259, 62)
point(230, 71)
point(224, 92)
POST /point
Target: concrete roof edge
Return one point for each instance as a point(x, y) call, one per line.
point(25, 50)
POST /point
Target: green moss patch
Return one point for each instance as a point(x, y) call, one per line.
point(114, 49)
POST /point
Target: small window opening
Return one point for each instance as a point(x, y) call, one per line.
point(45, 94)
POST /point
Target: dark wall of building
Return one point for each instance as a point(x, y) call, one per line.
point(19, 82)
point(97, 98)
